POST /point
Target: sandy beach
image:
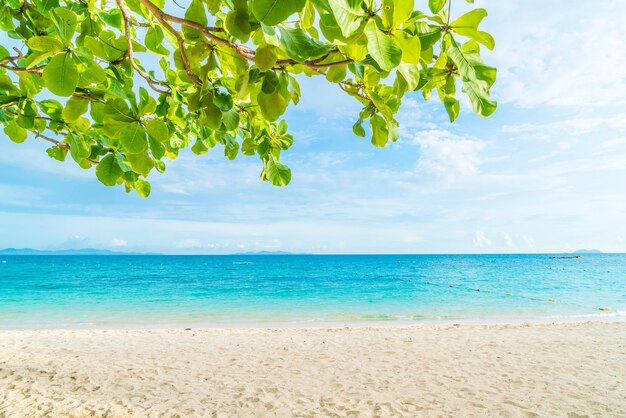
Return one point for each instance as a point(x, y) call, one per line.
point(423, 370)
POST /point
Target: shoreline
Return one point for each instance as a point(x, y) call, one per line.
point(603, 317)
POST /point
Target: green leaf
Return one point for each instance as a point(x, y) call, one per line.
point(157, 130)
point(410, 46)
point(380, 133)
point(381, 47)
point(112, 17)
point(108, 171)
point(428, 34)
point(467, 24)
point(300, 46)
point(15, 132)
point(237, 24)
point(60, 75)
point(231, 147)
point(223, 100)
point(74, 108)
point(481, 103)
point(349, 14)
point(485, 39)
point(265, 57)
point(336, 74)
point(211, 114)
point(51, 108)
point(27, 114)
point(277, 173)
point(195, 13)
point(231, 119)
point(357, 128)
point(142, 188)
point(154, 41)
point(452, 107)
point(57, 153)
point(79, 149)
point(273, 12)
point(4, 53)
point(123, 162)
point(402, 10)
point(45, 44)
point(435, 6)
point(199, 148)
point(272, 105)
point(65, 22)
point(308, 15)
point(133, 138)
point(141, 163)
point(156, 148)
point(477, 78)
point(117, 116)
point(411, 74)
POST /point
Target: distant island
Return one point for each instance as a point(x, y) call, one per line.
point(266, 253)
point(79, 251)
point(591, 251)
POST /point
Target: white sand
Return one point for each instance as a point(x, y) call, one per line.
point(472, 370)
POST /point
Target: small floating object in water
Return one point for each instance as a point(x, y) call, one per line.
point(478, 290)
point(509, 294)
point(4, 261)
point(604, 309)
point(551, 300)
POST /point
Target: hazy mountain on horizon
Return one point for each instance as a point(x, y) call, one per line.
point(590, 251)
point(266, 253)
point(77, 251)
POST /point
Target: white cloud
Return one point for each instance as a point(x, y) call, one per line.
point(117, 242)
point(446, 154)
point(188, 243)
point(558, 53)
point(571, 126)
point(481, 240)
point(529, 241)
point(508, 240)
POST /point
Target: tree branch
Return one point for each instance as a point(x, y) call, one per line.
point(59, 144)
point(243, 50)
point(129, 51)
point(161, 17)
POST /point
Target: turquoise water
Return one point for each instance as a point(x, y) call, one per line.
point(153, 291)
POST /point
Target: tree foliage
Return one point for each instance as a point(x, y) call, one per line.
point(124, 85)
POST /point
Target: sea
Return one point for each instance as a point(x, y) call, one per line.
point(158, 291)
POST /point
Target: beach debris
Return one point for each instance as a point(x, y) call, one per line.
point(551, 300)
point(187, 329)
point(604, 309)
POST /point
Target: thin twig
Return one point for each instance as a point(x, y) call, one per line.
point(129, 53)
point(161, 17)
point(59, 144)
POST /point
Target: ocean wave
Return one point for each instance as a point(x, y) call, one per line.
point(600, 315)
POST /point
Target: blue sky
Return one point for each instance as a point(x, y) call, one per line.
point(545, 173)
